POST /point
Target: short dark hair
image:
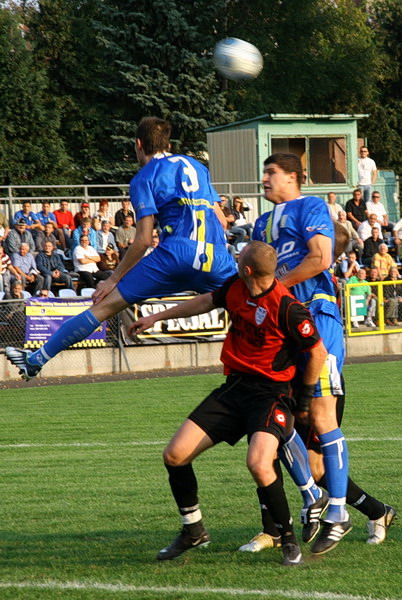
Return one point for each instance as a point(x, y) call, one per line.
point(290, 163)
point(154, 134)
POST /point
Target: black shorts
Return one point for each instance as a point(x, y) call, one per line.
point(243, 405)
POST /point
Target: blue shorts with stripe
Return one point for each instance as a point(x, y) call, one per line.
point(169, 270)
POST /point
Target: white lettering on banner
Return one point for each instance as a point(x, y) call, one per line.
point(358, 307)
point(204, 322)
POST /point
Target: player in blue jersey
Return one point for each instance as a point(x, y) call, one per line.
point(191, 255)
point(301, 231)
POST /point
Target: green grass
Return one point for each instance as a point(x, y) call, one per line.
point(85, 498)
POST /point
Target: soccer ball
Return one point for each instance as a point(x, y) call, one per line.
point(236, 59)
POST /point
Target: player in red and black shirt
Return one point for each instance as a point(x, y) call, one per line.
point(269, 329)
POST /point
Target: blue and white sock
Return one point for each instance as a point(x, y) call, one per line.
point(335, 453)
point(72, 331)
point(294, 456)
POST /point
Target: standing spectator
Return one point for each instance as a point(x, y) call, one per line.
point(19, 235)
point(367, 172)
point(398, 238)
point(125, 235)
point(86, 228)
point(239, 208)
point(84, 213)
point(371, 246)
point(375, 207)
point(104, 237)
point(31, 219)
point(383, 261)
point(46, 216)
point(121, 214)
point(370, 299)
point(355, 243)
point(232, 231)
point(6, 270)
point(25, 265)
point(109, 259)
point(392, 297)
point(4, 227)
point(364, 229)
point(86, 259)
point(356, 209)
point(65, 224)
point(103, 214)
point(333, 207)
point(51, 266)
point(47, 235)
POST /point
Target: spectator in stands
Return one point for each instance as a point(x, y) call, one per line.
point(235, 235)
point(6, 271)
point(374, 275)
point(31, 219)
point(349, 266)
point(371, 245)
point(19, 235)
point(121, 214)
point(44, 294)
point(383, 261)
point(86, 259)
point(392, 297)
point(25, 265)
point(104, 237)
point(125, 235)
point(84, 213)
point(86, 228)
point(356, 209)
point(65, 224)
point(103, 214)
point(375, 207)
point(370, 298)
point(109, 259)
point(15, 292)
point(355, 243)
point(239, 208)
point(47, 235)
point(154, 242)
point(4, 228)
point(46, 216)
point(364, 229)
point(51, 267)
point(333, 207)
point(367, 172)
point(398, 238)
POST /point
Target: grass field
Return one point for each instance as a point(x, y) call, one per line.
point(85, 503)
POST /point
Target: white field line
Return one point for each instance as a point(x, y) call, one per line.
point(156, 443)
point(120, 587)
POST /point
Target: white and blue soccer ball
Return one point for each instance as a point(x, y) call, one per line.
point(236, 59)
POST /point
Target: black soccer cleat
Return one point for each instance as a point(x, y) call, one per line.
point(292, 555)
point(19, 358)
point(183, 542)
point(330, 535)
point(310, 517)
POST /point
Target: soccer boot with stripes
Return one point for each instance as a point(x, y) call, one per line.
point(261, 541)
point(183, 542)
point(292, 555)
point(19, 358)
point(330, 535)
point(310, 517)
point(378, 529)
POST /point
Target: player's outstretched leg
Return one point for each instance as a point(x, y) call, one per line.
point(19, 358)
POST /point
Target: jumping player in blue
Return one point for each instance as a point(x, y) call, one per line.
point(302, 232)
point(191, 255)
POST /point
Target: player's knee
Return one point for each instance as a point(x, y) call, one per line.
point(172, 457)
point(263, 472)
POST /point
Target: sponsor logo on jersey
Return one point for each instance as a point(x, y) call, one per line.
point(280, 417)
point(260, 315)
point(316, 227)
point(305, 329)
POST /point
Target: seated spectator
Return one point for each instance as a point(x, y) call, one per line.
point(44, 294)
point(4, 228)
point(104, 237)
point(364, 229)
point(47, 235)
point(370, 298)
point(103, 214)
point(239, 208)
point(374, 206)
point(392, 297)
point(374, 276)
point(6, 271)
point(349, 266)
point(333, 207)
point(17, 236)
point(371, 245)
point(86, 228)
point(13, 313)
point(51, 266)
point(109, 259)
point(398, 238)
point(383, 261)
point(121, 214)
point(65, 224)
point(235, 235)
point(86, 259)
point(356, 209)
point(355, 243)
point(31, 219)
point(83, 213)
point(16, 291)
point(154, 242)
point(125, 235)
point(25, 265)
